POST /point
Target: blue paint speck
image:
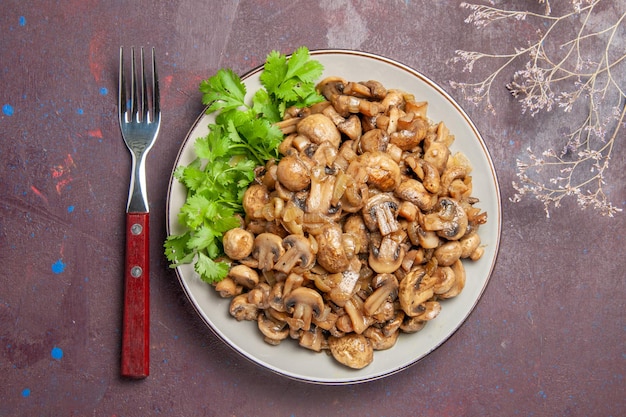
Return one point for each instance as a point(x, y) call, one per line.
point(79, 111)
point(26, 392)
point(56, 353)
point(58, 267)
point(70, 209)
point(22, 21)
point(104, 91)
point(8, 110)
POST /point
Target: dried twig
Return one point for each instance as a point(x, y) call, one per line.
point(579, 72)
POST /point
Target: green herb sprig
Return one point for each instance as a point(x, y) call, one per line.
point(243, 137)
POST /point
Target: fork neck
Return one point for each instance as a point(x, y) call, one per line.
point(137, 195)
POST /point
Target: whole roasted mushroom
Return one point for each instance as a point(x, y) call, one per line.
point(319, 128)
point(382, 171)
point(254, 199)
point(293, 173)
point(238, 243)
point(331, 254)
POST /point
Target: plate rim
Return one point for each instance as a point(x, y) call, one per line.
point(497, 224)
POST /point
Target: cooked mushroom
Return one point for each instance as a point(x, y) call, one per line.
point(260, 295)
point(298, 252)
point(437, 154)
point(346, 283)
point(244, 275)
point(412, 324)
point(353, 308)
point(312, 339)
point(387, 257)
point(228, 288)
point(355, 226)
point(303, 304)
point(238, 243)
point(373, 140)
point(415, 288)
point(321, 192)
point(445, 280)
point(268, 248)
point(414, 191)
point(380, 213)
point(426, 239)
point(469, 244)
point(381, 341)
point(274, 331)
point(331, 254)
point(352, 350)
point(331, 86)
point(293, 173)
point(459, 281)
point(254, 198)
point(385, 289)
point(448, 253)
point(448, 219)
point(319, 128)
point(241, 309)
point(382, 171)
point(430, 310)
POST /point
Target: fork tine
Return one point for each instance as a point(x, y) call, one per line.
point(121, 89)
point(133, 86)
point(156, 112)
point(144, 91)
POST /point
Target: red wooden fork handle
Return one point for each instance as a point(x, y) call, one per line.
point(136, 321)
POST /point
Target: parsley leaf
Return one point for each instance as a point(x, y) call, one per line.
point(243, 137)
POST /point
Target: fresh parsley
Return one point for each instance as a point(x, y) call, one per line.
point(243, 137)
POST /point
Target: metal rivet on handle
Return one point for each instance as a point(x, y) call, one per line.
point(136, 271)
point(136, 229)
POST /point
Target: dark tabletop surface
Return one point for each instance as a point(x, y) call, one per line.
point(546, 339)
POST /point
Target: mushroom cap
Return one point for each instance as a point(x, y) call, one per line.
point(241, 309)
point(382, 171)
point(268, 248)
point(293, 173)
point(307, 296)
point(238, 243)
point(387, 257)
point(273, 330)
point(254, 198)
point(448, 219)
point(415, 288)
point(352, 350)
point(244, 276)
point(298, 252)
point(331, 254)
point(319, 128)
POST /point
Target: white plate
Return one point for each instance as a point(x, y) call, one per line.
point(288, 358)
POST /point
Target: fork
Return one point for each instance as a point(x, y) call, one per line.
point(140, 126)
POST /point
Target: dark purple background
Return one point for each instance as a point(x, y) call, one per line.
point(546, 339)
